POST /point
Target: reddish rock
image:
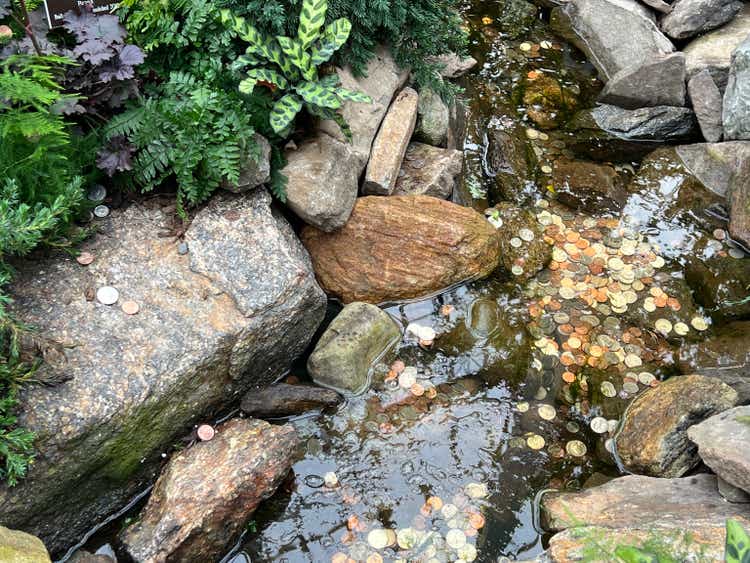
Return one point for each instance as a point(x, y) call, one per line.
point(402, 247)
point(205, 494)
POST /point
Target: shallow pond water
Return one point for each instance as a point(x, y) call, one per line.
point(444, 457)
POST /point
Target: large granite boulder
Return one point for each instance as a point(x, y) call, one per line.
point(736, 108)
point(689, 18)
point(343, 356)
point(429, 170)
point(706, 99)
point(713, 51)
point(722, 444)
point(614, 34)
point(323, 181)
point(430, 245)
point(656, 82)
point(725, 356)
point(205, 495)
point(232, 313)
point(391, 143)
point(686, 517)
point(653, 438)
point(381, 80)
point(20, 547)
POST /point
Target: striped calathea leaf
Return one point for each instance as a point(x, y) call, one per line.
point(284, 111)
point(318, 95)
point(269, 76)
point(311, 20)
point(353, 96)
point(335, 35)
point(297, 55)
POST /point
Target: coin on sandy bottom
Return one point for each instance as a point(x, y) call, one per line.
point(646, 378)
point(378, 538)
point(467, 552)
point(608, 389)
point(455, 539)
point(535, 442)
point(576, 448)
point(681, 329)
point(699, 323)
point(406, 538)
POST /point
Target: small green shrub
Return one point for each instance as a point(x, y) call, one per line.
point(293, 74)
point(40, 193)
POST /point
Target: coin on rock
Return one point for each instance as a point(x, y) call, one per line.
point(206, 432)
point(455, 539)
point(85, 258)
point(523, 406)
point(130, 307)
point(107, 295)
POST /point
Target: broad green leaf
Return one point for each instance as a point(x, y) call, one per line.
point(297, 56)
point(629, 554)
point(284, 112)
point(258, 44)
point(270, 76)
point(276, 55)
point(247, 85)
point(352, 96)
point(330, 81)
point(334, 37)
point(737, 548)
point(315, 94)
point(246, 60)
point(311, 19)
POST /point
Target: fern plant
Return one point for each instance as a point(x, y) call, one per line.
point(294, 61)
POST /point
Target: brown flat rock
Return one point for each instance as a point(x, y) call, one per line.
point(402, 247)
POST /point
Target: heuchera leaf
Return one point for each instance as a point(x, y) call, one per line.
point(117, 156)
point(131, 55)
point(86, 26)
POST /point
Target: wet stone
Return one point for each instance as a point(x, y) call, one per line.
point(429, 170)
point(588, 186)
point(284, 400)
point(523, 249)
point(658, 82)
point(20, 547)
point(706, 100)
point(549, 102)
point(653, 439)
point(511, 165)
point(689, 18)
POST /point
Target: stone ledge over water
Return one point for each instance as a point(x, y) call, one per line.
point(232, 313)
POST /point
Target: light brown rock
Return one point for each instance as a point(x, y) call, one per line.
point(381, 80)
point(654, 440)
point(429, 170)
point(19, 547)
point(640, 502)
point(402, 247)
point(739, 203)
point(205, 494)
point(390, 145)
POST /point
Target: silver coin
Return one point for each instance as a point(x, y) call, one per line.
point(516, 242)
point(97, 193)
point(526, 234)
point(101, 211)
point(107, 295)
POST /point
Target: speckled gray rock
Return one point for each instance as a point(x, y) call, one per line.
point(381, 80)
point(722, 442)
point(390, 145)
point(323, 181)
point(736, 109)
point(713, 51)
point(357, 337)
point(663, 123)
point(205, 495)
point(614, 34)
point(232, 314)
point(658, 5)
point(689, 18)
point(433, 119)
point(455, 66)
point(254, 172)
point(706, 100)
point(658, 82)
point(429, 170)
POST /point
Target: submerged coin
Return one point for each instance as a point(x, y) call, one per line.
point(576, 448)
point(455, 539)
point(646, 378)
point(608, 389)
point(547, 412)
point(379, 538)
point(516, 242)
point(448, 511)
point(467, 552)
point(630, 387)
point(663, 326)
point(526, 234)
point(476, 490)
point(523, 406)
point(96, 193)
point(699, 323)
point(681, 329)
point(599, 425)
point(406, 538)
point(535, 442)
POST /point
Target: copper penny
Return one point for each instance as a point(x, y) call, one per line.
point(206, 432)
point(130, 307)
point(85, 258)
